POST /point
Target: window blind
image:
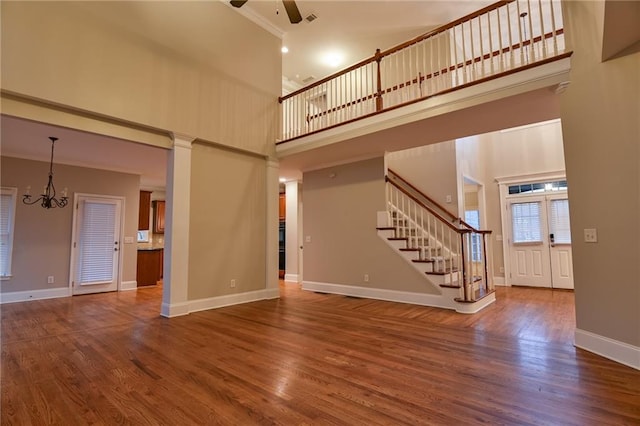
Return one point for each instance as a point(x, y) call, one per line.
point(96, 255)
point(559, 221)
point(6, 220)
point(526, 222)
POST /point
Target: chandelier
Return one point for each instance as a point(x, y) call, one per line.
point(48, 198)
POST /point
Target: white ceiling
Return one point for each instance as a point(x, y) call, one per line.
point(29, 139)
point(354, 28)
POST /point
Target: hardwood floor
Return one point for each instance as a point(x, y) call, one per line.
point(306, 359)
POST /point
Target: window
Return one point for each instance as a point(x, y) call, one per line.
point(533, 188)
point(526, 222)
point(559, 221)
point(472, 217)
point(7, 219)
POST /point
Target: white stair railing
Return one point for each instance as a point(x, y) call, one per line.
point(499, 39)
point(454, 249)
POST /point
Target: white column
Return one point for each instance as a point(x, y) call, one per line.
point(272, 193)
point(176, 248)
point(292, 232)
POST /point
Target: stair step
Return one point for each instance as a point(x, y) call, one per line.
point(450, 286)
point(443, 272)
point(409, 249)
point(479, 294)
point(397, 239)
point(385, 228)
point(423, 260)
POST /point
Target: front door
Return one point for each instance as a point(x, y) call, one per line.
point(540, 241)
point(96, 244)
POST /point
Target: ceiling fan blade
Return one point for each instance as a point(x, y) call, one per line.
point(237, 3)
point(292, 11)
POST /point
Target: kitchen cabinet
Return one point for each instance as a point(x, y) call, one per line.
point(145, 208)
point(158, 217)
point(149, 270)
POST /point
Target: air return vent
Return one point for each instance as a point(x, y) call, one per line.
point(309, 79)
point(311, 18)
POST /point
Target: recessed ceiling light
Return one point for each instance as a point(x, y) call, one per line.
point(284, 49)
point(333, 59)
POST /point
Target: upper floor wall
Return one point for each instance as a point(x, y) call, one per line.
point(160, 66)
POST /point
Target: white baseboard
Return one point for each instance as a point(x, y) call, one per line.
point(174, 310)
point(218, 302)
point(612, 349)
point(423, 299)
point(291, 277)
point(233, 299)
point(128, 285)
point(23, 296)
point(499, 281)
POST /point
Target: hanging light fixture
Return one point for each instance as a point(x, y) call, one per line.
point(48, 198)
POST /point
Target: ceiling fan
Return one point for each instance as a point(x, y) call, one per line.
point(289, 6)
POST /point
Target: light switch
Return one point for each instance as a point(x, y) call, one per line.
point(128, 240)
point(590, 235)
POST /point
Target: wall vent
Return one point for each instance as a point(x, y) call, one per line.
point(309, 79)
point(311, 18)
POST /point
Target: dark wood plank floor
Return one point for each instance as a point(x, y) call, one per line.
point(306, 359)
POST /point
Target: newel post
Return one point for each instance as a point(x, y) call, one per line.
point(379, 105)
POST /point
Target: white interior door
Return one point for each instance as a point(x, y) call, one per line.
point(96, 245)
point(560, 241)
point(529, 244)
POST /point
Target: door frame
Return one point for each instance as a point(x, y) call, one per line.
point(72, 261)
point(503, 184)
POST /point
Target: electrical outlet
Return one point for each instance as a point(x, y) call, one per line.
point(366, 278)
point(233, 283)
point(590, 235)
point(50, 279)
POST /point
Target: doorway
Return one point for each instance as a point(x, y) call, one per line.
point(538, 243)
point(96, 254)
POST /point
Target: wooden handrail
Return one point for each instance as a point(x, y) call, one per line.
point(379, 55)
point(433, 74)
point(451, 89)
point(431, 200)
point(429, 209)
point(445, 27)
point(453, 217)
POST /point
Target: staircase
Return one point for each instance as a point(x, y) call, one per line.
point(450, 253)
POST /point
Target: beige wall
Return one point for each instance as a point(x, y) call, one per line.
point(228, 222)
point(152, 64)
point(198, 69)
point(431, 169)
point(340, 217)
point(601, 132)
point(42, 238)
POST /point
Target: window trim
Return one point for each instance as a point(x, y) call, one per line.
point(13, 192)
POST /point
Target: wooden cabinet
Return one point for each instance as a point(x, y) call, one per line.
point(149, 267)
point(283, 207)
point(158, 217)
point(145, 208)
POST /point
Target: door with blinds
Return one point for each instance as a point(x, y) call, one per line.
point(96, 244)
point(540, 241)
point(560, 241)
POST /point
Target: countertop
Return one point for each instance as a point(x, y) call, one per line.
point(149, 246)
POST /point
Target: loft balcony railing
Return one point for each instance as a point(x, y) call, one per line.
point(502, 38)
